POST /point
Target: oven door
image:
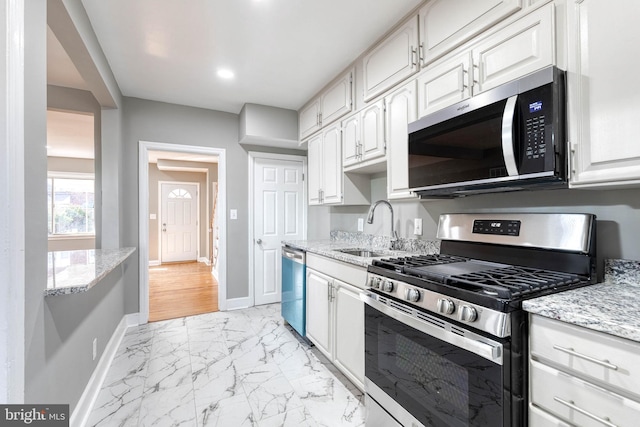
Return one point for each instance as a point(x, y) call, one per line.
point(426, 371)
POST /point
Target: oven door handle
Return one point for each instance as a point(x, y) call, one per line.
point(487, 349)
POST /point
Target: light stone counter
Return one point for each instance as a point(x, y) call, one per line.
point(612, 307)
point(71, 272)
point(380, 244)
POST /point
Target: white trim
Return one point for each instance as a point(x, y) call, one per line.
point(198, 219)
point(71, 175)
point(253, 155)
point(154, 263)
point(205, 260)
point(239, 303)
point(143, 217)
point(12, 187)
point(83, 409)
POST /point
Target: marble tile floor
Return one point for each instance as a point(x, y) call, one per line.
point(235, 368)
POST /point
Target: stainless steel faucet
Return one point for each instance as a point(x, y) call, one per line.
point(394, 235)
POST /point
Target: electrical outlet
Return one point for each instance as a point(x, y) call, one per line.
point(233, 214)
point(360, 224)
point(95, 348)
point(417, 226)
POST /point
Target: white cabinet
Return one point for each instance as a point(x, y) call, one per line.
point(333, 103)
point(603, 104)
point(520, 48)
point(401, 110)
point(363, 137)
point(319, 310)
point(581, 377)
point(349, 331)
point(392, 60)
point(335, 314)
point(327, 184)
point(444, 84)
point(446, 24)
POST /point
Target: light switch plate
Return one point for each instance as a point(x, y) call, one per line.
point(233, 214)
point(152, 216)
point(360, 224)
point(417, 226)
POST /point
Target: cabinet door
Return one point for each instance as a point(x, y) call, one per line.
point(337, 100)
point(309, 119)
point(391, 61)
point(401, 110)
point(332, 164)
point(603, 105)
point(351, 140)
point(372, 134)
point(349, 332)
point(520, 48)
point(314, 181)
point(444, 84)
point(318, 310)
point(446, 24)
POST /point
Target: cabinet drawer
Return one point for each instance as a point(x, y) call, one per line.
point(540, 418)
point(596, 356)
point(578, 402)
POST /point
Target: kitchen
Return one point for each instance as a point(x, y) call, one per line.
point(616, 208)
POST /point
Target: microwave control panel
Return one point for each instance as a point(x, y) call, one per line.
point(536, 112)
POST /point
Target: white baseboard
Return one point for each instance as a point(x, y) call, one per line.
point(238, 303)
point(205, 260)
point(214, 272)
point(155, 263)
point(83, 409)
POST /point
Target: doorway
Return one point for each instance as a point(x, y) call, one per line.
point(145, 150)
point(179, 225)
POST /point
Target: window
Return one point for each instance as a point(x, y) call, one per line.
point(70, 204)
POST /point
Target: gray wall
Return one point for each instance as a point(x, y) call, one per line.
point(618, 213)
point(58, 330)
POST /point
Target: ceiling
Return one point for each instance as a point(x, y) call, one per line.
point(282, 52)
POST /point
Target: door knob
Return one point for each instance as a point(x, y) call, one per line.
point(259, 241)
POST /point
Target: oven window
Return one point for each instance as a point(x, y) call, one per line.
point(438, 383)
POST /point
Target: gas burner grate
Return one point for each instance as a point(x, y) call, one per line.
point(511, 282)
point(399, 264)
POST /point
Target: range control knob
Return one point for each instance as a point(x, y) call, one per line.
point(387, 286)
point(412, 295)
point(374, 282)
point(468, 314)
point(445, 306)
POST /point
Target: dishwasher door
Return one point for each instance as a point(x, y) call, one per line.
point(294, 289)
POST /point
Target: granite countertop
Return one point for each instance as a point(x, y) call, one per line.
point(612, 307)
point(380, 244)
point(71, 272)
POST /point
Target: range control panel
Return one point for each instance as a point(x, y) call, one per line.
point(499, 227)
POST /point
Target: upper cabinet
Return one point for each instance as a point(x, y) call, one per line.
point(526, 45)
point(446, 24)
point(444, 84)
point(603, 108)
point(333, 103)
point(363, 143)
point(392, 60)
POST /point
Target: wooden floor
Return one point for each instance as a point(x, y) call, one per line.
point(181, 289)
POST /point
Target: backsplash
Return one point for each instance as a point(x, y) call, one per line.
point(619, 271)
point(377, 241)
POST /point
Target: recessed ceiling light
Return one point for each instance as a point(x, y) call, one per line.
point(225, 73)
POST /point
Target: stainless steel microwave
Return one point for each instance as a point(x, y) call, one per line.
point(512, 137)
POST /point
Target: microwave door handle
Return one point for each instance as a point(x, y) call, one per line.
point(507, 136)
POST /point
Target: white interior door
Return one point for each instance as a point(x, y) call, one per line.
point(278, 201)
point(179, 222)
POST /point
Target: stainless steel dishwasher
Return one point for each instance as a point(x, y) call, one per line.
point(294, 289)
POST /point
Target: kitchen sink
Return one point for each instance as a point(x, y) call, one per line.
point(365, 253)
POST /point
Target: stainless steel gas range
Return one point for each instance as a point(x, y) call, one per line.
point(445, 335)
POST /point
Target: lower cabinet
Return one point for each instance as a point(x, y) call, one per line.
point(581, 377)
point(335, 323)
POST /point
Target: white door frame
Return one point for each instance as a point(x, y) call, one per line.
point(253, 155)
point(198, 219)
point(143, 217)
point(12, 230)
